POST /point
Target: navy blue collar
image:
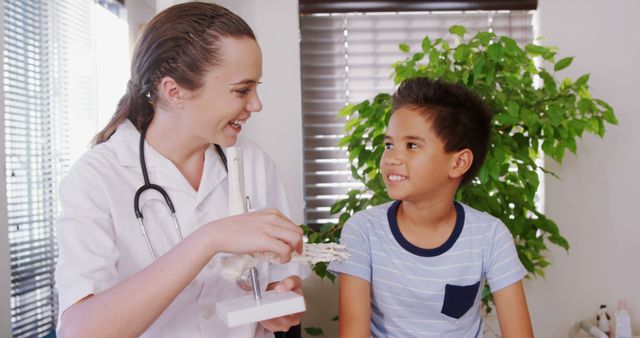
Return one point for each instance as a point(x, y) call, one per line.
point(392, 216)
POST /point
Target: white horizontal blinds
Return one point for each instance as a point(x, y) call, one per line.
point(30, 167)
point(347, 58)
point(50, 81)
point(324, 93)
point(73, 61)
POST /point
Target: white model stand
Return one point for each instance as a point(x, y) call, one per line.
point(244, 310)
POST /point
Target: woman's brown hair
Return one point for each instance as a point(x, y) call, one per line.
point(182, 42)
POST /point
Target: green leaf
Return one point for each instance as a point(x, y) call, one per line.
point(513, 108)
point(314, 331)
point(535, 49)
point(562, 64)
point(549, 82)
point(609, 116)
point(458, 30)
point(585, 105)
point(581, 81)
point(404, 47)
point(495, 52)
point(418, 56)
point(337, 206)
point(511, 46)
point(561, 241)
point(505, 119)
point(426, 44)
point(346, 111)
point(478, 67)
point(461, 53)
point(485, 37)
point(351, 123)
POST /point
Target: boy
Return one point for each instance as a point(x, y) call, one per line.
point(417, 264)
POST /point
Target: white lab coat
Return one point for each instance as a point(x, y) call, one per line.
point(101, 243)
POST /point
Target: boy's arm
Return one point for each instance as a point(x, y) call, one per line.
point(355, 307)
point(513, 314)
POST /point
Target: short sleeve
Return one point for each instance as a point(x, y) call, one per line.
point(84, 228)
point(502, 265)
point(356, 240)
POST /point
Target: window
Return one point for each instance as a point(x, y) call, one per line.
point(51, 91)
point(346, 58)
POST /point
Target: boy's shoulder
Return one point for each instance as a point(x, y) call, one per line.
point(373, 215)
point(477, 216)
point(481, 221)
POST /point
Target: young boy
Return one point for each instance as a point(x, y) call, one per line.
point(418, 264)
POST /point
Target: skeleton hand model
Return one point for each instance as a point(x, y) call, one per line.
point(235, 266)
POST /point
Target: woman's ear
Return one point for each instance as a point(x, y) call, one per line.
point(460, 163)
point(169, 90)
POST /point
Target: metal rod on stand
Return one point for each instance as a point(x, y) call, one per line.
point(255, 285)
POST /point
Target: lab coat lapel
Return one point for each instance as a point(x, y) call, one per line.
point(164, 173)
point(213, 174)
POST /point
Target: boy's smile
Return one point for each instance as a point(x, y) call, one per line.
point(414, 165)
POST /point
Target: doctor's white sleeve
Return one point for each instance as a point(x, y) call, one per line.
point(87, 252)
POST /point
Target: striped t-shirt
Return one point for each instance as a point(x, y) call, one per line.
point(418, 292)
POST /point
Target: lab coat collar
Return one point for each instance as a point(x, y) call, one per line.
point(125, 143)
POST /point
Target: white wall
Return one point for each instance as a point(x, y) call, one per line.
point(278, 127)
point(595, 202)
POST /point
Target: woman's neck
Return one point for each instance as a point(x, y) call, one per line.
point(179, 146)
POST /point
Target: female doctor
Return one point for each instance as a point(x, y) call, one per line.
point(193, 83)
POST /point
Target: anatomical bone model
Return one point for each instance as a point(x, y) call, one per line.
point(235, 266)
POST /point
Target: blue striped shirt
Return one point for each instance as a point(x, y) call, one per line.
point(417, 292)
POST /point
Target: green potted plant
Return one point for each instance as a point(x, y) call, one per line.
point(535, 114)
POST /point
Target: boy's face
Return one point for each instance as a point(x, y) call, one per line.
point(414, 164)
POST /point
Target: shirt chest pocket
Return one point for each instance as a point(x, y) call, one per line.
point(459, 299)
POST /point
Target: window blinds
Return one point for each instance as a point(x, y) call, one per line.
point(346, 58)
point(50, 86)
point(30, 166)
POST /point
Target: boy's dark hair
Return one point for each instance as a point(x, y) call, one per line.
point(460, 118)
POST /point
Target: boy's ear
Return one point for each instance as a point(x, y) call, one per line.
point(460, 163)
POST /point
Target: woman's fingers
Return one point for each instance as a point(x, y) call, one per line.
point(283, 229)
point(291, 283)
point(291, 238)
point(258, 231)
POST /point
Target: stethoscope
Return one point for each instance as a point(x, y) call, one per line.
point(149, 186)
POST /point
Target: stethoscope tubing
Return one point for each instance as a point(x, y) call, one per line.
point(149, 186)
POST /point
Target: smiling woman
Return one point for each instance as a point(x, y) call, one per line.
point(194, 78)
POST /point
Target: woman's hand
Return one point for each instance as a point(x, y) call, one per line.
point(259, 231)
point(291, 283)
